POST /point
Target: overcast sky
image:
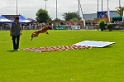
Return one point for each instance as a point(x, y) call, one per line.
point(28, 8)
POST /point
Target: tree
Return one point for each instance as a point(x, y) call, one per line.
point(120, 10)
point(102, 24)
point(57, 20)
point(70, 15)
point(42, 16)
point(74, 20)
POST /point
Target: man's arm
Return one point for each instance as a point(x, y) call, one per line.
point(11, 31)
point(20, 29)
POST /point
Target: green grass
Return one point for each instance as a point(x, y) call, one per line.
point(88, 65)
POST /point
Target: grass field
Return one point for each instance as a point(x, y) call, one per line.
point(86, 65)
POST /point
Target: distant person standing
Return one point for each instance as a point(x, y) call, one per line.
point(15, 32)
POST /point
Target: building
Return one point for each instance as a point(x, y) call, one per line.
point(93, 16)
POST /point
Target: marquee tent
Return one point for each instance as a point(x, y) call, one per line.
point(4, 20)
point(23, 19)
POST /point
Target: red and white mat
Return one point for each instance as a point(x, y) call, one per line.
point(57, 48)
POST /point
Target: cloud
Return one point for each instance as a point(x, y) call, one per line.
point(28, 8)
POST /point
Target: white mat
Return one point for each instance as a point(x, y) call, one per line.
point(94, 43)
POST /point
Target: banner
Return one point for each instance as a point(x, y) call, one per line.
point(102, 14)
point(59, 28)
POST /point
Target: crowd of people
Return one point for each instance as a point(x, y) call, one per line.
point(35, 26)
point(66, 25)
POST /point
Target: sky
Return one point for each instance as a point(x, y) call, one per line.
point(28, 8)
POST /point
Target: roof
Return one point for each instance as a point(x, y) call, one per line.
point(10, 17)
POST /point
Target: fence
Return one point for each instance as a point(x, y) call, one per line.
point(116, 26)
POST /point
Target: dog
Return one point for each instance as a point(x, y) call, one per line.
point(42, 30)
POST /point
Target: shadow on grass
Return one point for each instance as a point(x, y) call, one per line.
point(12, 50)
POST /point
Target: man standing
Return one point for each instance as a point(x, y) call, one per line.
point(15, 32)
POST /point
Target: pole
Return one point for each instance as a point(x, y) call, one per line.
point(16, 7)
point(108, 11)
point(123, 17)
point(119, 3)
point(78, 8)
point(101, 5)
point(97, 5)
point(81, 8)
point(82, 12)
point(56, 9)
point(45, 4)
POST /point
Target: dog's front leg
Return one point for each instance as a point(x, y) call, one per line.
point(47, 33)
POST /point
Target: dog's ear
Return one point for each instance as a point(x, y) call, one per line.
point(49, 24)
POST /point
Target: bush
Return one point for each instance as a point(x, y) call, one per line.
point(102, 25)
point(109, 26)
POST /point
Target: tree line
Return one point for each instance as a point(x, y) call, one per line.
point(43, 16)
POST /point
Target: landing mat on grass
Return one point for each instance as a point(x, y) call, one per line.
point(57, 48)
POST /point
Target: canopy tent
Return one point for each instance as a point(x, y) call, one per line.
point(23, 19)
point(116, 19)
point(4, 20)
